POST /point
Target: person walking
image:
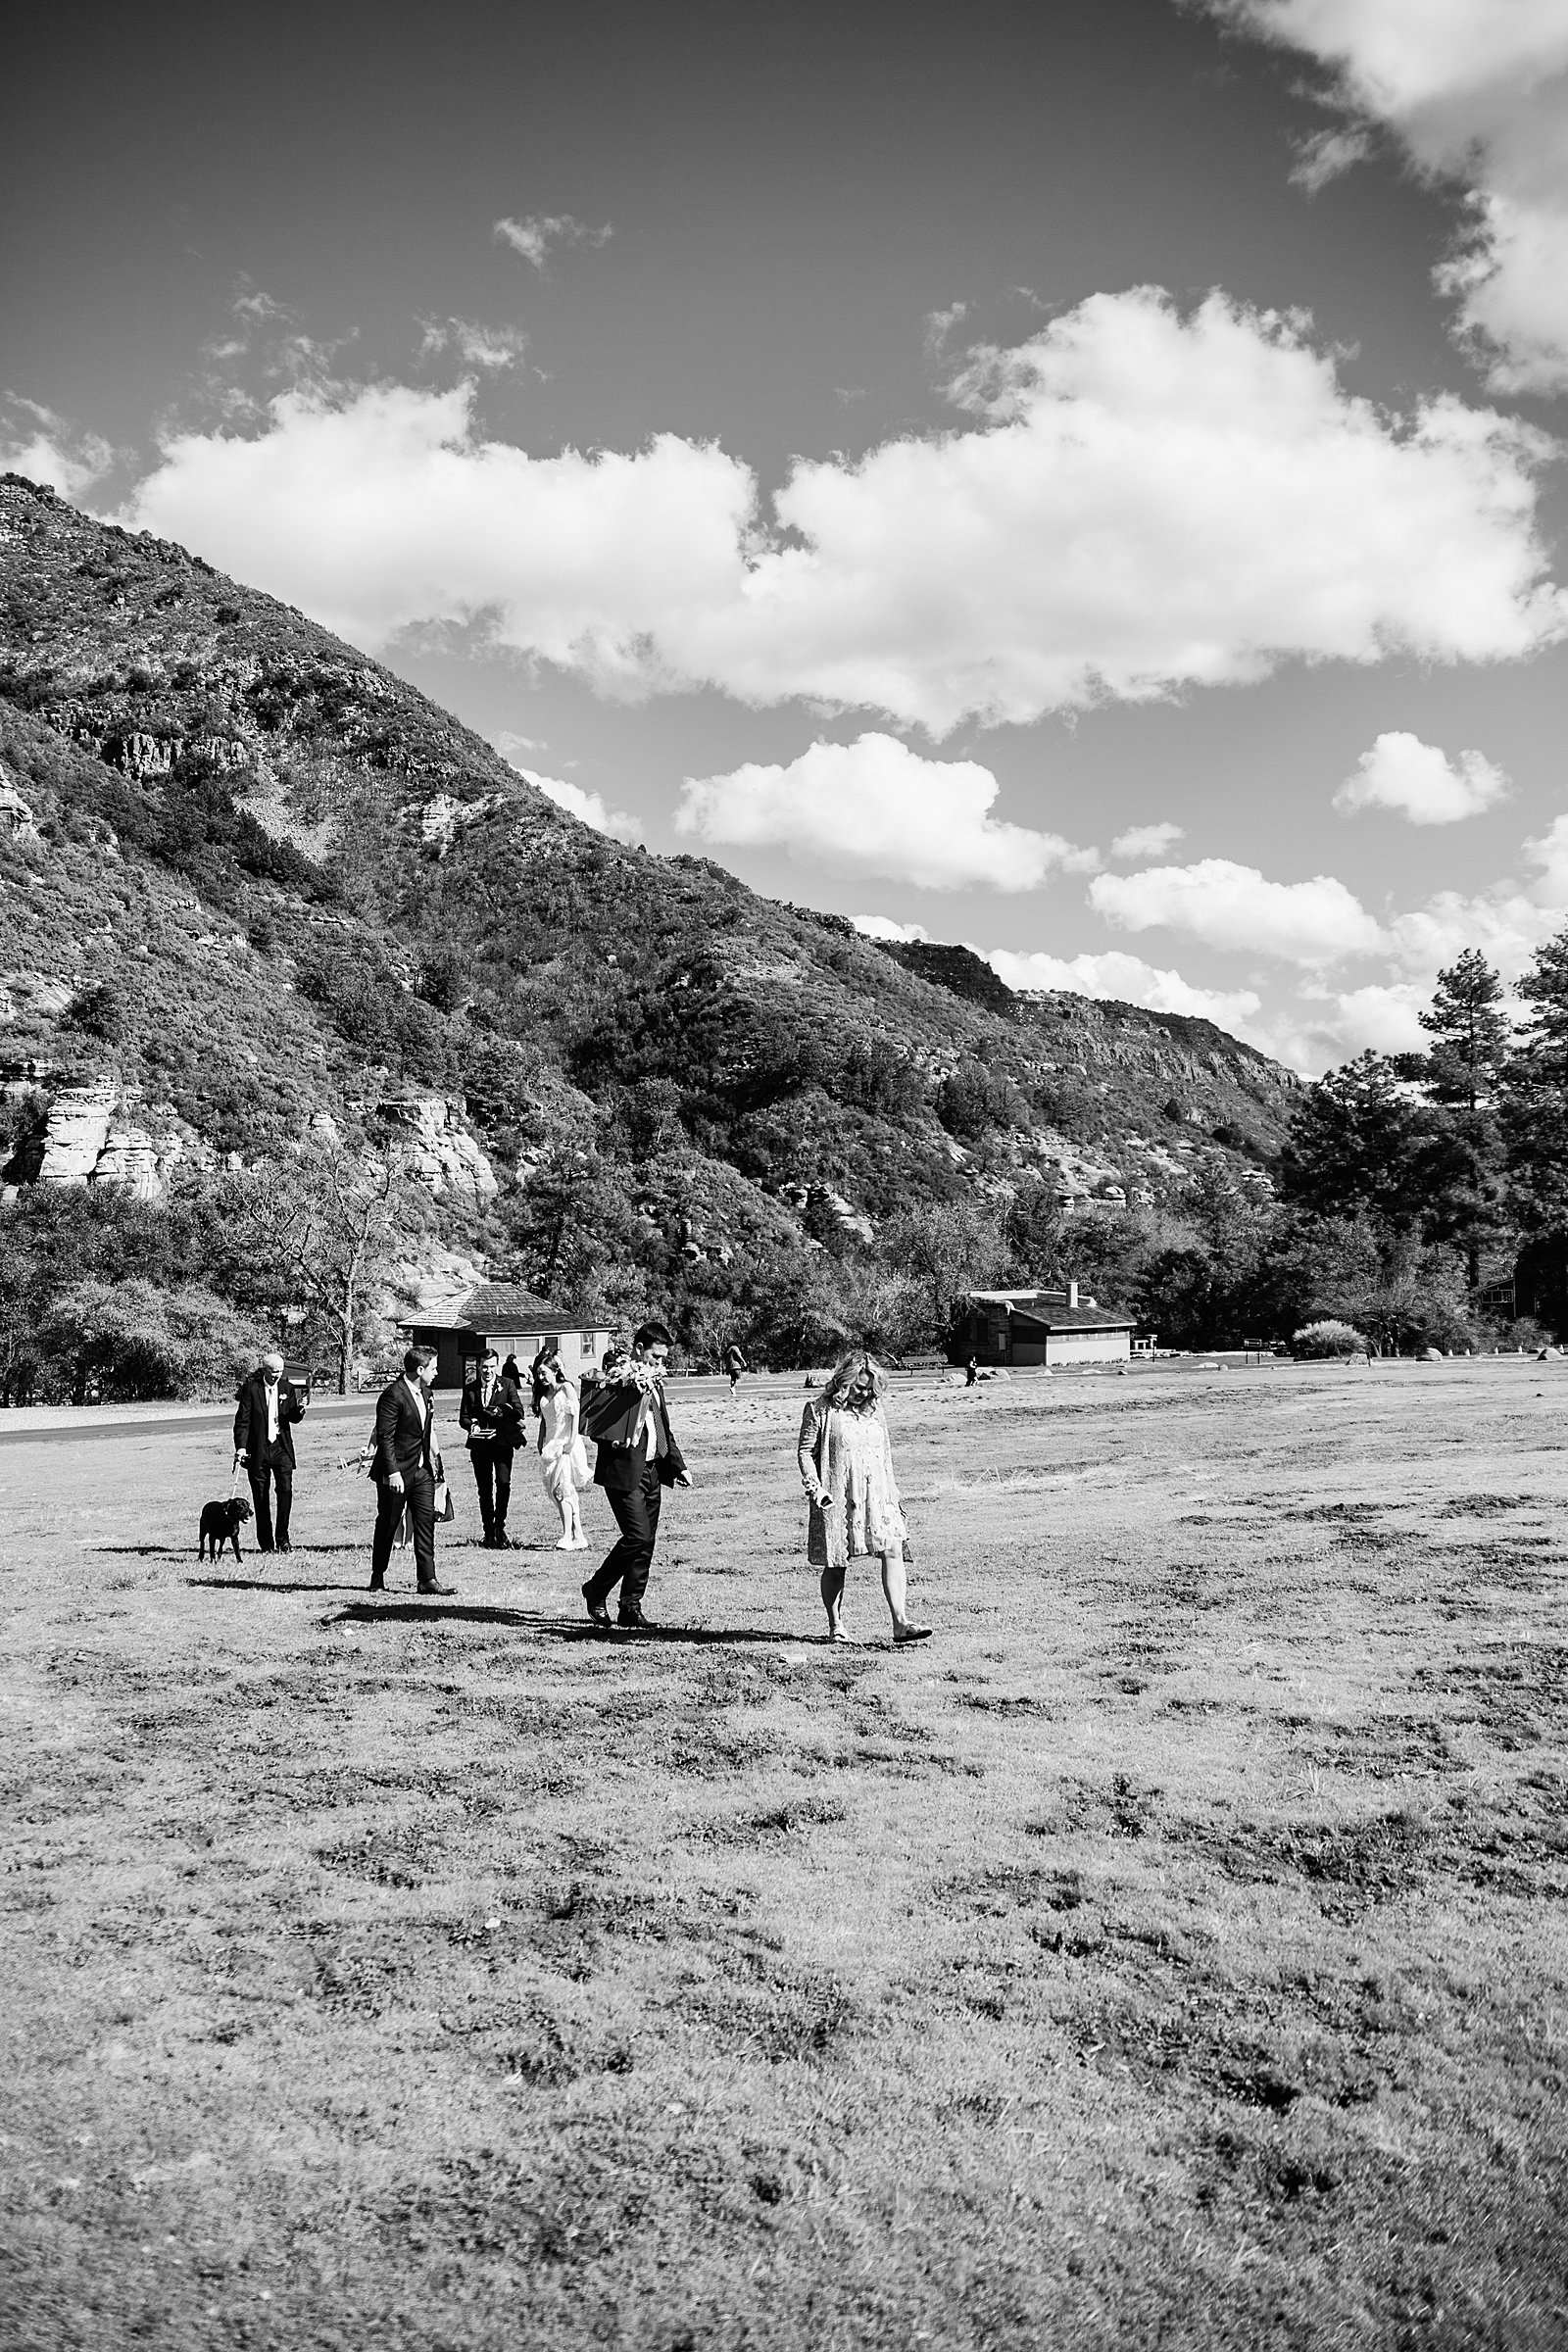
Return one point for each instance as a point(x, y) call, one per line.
point(264, 1440)
point(405, 1466)
point(846, 1465)
point(734, 1364)
point(488, 1417)
point(563, 1460)
point(628, 1419)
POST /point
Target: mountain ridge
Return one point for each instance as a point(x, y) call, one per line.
point(300, 890)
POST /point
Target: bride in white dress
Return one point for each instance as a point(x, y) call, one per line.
point(563, 1456)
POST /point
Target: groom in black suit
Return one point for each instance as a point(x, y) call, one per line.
point(637, 1459)
point(404, 1469)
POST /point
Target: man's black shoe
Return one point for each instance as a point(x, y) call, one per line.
point(596, 1608)
point(378, 1583)
point(632, 1621)
point(446, 1590)
point(283, 1544)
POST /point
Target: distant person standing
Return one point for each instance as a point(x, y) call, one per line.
point(264, 1440)
point(405, 1468)
point(487, 1415)
point(734, 1364)
point(628, 1419)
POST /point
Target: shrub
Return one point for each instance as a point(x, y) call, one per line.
point(1316, 1341)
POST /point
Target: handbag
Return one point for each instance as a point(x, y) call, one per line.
point(445, 1508)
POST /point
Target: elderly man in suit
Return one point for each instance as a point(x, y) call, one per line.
point(404, 1469)
point(626, 1415)
point(264, 1440)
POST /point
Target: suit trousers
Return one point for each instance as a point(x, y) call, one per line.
point(271, 1468)
point(491, 1475)
point(628, 1563)
point(419, 1493)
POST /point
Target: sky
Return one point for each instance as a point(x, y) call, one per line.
point(1084, 482)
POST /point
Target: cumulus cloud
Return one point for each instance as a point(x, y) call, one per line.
point(1478, 91)
point(1128, 980)
point(588, 808)
point(1139, 502)
point(882, 926)
point(490, 348)
point(1422, 782)
point(874, 807)
point(1146, 840)
point(49, 449)
point(534, 238)
point(1230, 906)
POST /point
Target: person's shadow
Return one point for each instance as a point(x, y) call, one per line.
point(373, 1611)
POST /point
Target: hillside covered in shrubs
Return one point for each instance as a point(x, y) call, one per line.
point(277, 930)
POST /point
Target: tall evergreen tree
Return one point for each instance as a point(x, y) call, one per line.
point(1462, 1074)
point(1535, 1107)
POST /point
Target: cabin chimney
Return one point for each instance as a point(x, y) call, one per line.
point(1072, 1294)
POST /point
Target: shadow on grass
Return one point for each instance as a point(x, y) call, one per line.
point(261, 1584)
point(551, 1629)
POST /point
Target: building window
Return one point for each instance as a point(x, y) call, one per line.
point(585, 1340)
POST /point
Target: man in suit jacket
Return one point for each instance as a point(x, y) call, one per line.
point(264, 1440)
point(404, 1469)
point(491, 1412)
point(638, 1457)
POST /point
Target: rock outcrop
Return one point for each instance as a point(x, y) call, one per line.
point(437, 1148)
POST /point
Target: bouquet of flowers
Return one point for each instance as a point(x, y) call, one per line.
point(627, 1373)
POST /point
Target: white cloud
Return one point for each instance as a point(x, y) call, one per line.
point(1140, 501)
point(1229, 905)
point(588, 807)
point(1128, 980)
point(534, 238)
point(874, 807)
point(1478, 91)
point(1422, 782)
point(488, 347)
point(1146, 840)
point(1329, 154)
point(882, 926)
point(48, 449)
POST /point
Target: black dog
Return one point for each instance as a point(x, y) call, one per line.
point(221, 1525)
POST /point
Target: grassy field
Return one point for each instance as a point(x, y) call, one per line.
point(1171, 1952)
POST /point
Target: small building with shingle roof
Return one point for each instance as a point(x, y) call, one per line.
point(510, 1320)
point(1040, 1327)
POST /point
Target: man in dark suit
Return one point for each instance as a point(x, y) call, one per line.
point(638, 1457)
point(404, 1469)
point(491, 1412)
point(264, 1440)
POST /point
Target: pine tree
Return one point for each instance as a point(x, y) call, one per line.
point(1535, 1107)
point(1469, 1033)
point(1462, 1074)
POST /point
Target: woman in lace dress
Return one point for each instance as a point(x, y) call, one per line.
point(563, 1457)
point(846, 1464)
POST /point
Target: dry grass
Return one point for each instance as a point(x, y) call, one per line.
point(1171, 1953)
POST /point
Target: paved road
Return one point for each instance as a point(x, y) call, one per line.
point(202, 1417)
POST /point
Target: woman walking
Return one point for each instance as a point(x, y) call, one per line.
point(846, 1464)
point(563, 1457)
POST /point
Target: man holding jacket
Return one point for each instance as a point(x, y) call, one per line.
point(406, 1468)
point(628, 1419)
point(263, 1442)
